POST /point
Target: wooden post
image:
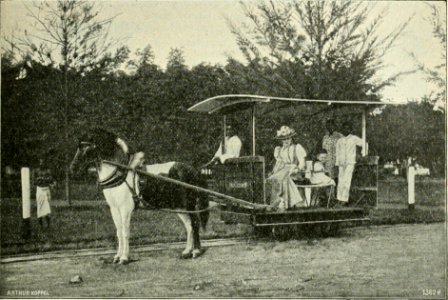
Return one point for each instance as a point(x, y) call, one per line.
point(364, 132)
point(411, 187)
point(26, 202)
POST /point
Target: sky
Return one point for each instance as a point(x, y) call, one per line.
point(201, 30)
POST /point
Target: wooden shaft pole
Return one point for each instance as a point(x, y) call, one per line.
point(224, 199)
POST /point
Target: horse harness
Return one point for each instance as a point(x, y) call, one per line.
point(118, 177)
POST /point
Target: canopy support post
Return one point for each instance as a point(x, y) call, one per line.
point(364, 132)
point(224, 124)
point(252, 121)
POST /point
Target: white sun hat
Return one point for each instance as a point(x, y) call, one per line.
point(285, 132)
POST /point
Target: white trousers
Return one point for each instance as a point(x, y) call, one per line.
point(344, 181)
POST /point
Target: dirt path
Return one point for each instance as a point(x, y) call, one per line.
point(384, 261)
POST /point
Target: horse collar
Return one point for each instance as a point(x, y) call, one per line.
point(117, 178)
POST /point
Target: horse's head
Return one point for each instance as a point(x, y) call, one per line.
point(93, 146)
point(85, 153)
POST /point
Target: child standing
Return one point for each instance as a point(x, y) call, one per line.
point(44, 180)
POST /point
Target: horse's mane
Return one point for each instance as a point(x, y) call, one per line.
point(104, 140)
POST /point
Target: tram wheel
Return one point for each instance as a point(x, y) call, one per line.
point(283, 233)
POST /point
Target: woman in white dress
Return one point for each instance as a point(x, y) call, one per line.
point(290, 160)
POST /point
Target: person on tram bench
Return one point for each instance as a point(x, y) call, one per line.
point(329, 144)
point(320, 177)
point(232, 146)
point(289, 162)
point(319, 174)
point(346, 150)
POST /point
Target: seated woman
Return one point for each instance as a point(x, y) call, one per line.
point(290, 160)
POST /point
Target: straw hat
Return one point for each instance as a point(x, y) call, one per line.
point(285, 132)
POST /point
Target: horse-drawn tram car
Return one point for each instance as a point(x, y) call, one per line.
point(240, 184)
point(245, 177)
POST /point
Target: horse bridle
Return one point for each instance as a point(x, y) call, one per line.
point(86, 146)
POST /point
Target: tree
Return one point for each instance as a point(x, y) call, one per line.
point(176, 60)
point(393, 137)
point(312, 50)
point(143, 65)
point(316, 49)
point(70, 38)
point(437, 73)
point(176, 83)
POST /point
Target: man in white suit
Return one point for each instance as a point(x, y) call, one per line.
point(231, 148)
point(346, 148)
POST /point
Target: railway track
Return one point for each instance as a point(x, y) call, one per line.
point(60, 254)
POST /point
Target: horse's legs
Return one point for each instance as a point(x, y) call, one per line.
point(196, 239)
point(126, 213)
point(116, 216)
point(188, 227)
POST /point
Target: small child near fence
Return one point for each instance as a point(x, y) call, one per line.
point(44, 180)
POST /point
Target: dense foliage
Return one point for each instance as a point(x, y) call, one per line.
point(315, 49)
point(436, 74)
point(149, 109)
point(416, 130)
point(148, 105)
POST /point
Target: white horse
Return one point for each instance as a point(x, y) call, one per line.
point(121, 189)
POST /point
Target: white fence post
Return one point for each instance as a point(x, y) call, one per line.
point(411, 187)
point(26, 202)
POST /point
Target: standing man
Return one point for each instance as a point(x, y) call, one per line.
point(346, 148)
point(329, 143)
point(232, 146)
point(44, 180)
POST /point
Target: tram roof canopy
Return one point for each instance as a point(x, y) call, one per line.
point(225, 104)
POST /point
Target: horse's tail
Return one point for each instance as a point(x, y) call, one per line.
point(203, 217)
point(202, 205)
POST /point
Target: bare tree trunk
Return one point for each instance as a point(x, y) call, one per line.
point(66, 116)
point(66, 158)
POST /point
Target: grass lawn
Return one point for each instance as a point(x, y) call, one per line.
point(86, 225)
point(89, 224)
